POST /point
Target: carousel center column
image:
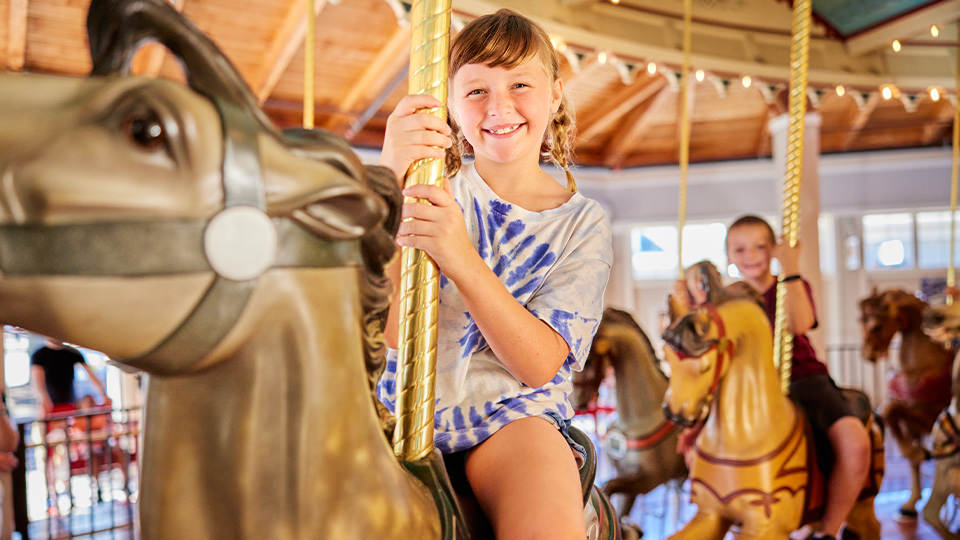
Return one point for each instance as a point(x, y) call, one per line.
point(809, 236)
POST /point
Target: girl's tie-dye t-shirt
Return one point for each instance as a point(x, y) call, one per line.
point(556, 263)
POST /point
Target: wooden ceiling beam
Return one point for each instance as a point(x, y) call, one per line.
point(376, 78)
point(17, 34)
point(149, 61)
point(938, 124)
point(622, 102)
point(284, 46)
point(860, 118)
point(634, 126)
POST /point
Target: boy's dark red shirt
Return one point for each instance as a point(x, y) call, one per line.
point(805, 361)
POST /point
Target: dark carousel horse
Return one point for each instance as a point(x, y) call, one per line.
point(640, 443)
point(176, 230)
point(942, 324)
point(920, 388)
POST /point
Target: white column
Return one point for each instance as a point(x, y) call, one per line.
point(620, 292)
point(809, 237)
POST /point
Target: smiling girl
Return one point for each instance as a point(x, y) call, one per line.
point(524, 264)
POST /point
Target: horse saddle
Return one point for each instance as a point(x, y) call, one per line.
point(820, 458)
point(460, 513)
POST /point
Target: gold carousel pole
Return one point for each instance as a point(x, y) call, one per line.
point(308, 66)
point(419, 277)
point(799, 59)
point(684, 133)
point(951, 267)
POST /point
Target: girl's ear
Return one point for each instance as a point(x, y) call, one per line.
point(556, 95)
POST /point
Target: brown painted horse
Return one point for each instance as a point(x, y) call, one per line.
point(641, 444)
point(920, 387)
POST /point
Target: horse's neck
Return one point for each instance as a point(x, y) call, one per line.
point(750, 414)
point(640, 385)
point(284, 416)
point(919, 354)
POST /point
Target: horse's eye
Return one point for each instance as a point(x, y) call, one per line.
point(146, 131)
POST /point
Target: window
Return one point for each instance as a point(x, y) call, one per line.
point(933, 240)
point(654, 248)
point(16, 359)
point(888, 241)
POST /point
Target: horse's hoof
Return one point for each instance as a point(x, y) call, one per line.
point(906, 514)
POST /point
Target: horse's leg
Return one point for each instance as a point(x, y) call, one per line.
point(862, 520)
point(898, 418)
point(945, 481)
point(703, 526)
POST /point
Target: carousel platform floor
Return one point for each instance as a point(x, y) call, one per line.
point(667, 508)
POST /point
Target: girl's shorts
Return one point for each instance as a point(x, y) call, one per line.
point(456, 462)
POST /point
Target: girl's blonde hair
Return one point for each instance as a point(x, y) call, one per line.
point(508, 39)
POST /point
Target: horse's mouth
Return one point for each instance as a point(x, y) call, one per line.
point(679, 418)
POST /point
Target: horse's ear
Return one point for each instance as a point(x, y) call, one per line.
point(675, 309)
point(327, 197)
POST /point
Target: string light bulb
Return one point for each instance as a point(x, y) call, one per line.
point(602, 57)
point(934, 93)
point(652, 68)
point(934, 31)
point(886, 91)
point(840, 90)
point(746, 81)
point(896, 45)
point(614, 2)
point(699, 75)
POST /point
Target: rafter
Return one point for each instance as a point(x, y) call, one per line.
point(17, 34)
point(634, 126)
point(621, 103)
point(284, 46)
point(938, 123)
point(149, 61)
point(390, 61)
point(860, 118)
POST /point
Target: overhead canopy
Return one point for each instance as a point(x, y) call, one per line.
point(626, 115)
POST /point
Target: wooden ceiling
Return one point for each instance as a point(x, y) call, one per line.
point(620, 75)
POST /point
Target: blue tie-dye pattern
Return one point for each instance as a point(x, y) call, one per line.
point(519, 252)
point(458, 422)
point(513, 229)
point(483, 243)
point(541, 253)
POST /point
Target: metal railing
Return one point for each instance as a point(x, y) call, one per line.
point(77, 474)
point(849, 369)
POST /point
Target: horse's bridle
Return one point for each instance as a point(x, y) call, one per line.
point(724, 346)
point(154, 248)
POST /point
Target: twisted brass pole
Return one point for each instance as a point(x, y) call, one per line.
point(420, 279)
point(308, 67)
point(799, 59)
point(684, 133)
point(951, 267)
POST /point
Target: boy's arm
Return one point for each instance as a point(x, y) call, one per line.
point(800, 314)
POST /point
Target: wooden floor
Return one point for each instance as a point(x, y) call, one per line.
point(667, 508)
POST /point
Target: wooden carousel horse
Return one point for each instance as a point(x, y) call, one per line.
point(919, 388)
point(754, 466)
point(640, 443)
point(176, 230)
point(942, 324)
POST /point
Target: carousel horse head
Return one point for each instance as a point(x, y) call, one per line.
point(697, 346)
point(884, 314)
point(138, 214)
